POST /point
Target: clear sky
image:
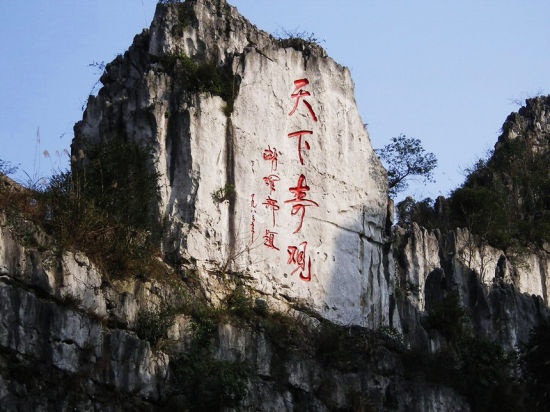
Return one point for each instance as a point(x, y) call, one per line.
point(447, 72)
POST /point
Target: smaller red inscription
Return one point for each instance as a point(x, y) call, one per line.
point(306, 144)
point(253, 218)
point(299, 94)
point(271, 204)
point(271, 154)
point(269, 239)
point(270, 181)
point(252, 229)
point(297, 256)
point(299, 200)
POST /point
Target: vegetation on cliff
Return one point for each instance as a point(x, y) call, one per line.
point(104, 207)
point(404, 158)
point(205, 77)
point(505, 202)
point(505, 198)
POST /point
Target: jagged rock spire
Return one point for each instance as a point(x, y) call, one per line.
point(266, 168)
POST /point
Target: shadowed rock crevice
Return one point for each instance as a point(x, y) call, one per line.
point(230, 185)
point(494, 304)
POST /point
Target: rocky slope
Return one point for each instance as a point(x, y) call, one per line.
point(74, 338)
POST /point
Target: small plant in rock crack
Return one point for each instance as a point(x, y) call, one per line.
point(290, 37)
point(152, 325)
point(224, 193)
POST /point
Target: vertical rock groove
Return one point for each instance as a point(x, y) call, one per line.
point(230, 183)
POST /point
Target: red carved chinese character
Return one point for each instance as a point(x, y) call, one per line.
point(270, 181)
point(306, 144)
point(297, 256)
point(269, 238)
point(271, 203)
point(300, 200)
point(269, 154)
point(300, 94)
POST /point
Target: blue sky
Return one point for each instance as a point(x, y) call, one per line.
point(445, 72)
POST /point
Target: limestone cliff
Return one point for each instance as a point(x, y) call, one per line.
point(265, 166)
point(278, 283)
point(505, 295)
point(72, 337)
point(498, 260)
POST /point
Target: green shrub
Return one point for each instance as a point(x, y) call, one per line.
point(204, 77)
point(223, 193)
point(476, 368)
point(118, 177)
point(186, 16)
point(261, 307)
point(240, 304)
point(333, 344)
point(392, 337)
point(152, 325)
point(422, 212)
point(106, 207)
point(505, 199)
point(481, 210)
point(297, 40)
point(405, 157)
point(285, 331)
point(204, 325)
point(485, 374)
point(347, 348)
point(210, 384)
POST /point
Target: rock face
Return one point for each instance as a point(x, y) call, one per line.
point(68, 341)
point(531, 123)
point(504, 296)
point(505, 292)
point(274, 208)
point(56, 350)
point(279, 181)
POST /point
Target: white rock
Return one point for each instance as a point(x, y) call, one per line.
point(339, 245)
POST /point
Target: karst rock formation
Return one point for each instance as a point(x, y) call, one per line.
point(302, 204)
point(286, 286)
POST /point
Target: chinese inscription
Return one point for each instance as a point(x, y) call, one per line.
point(300, 199)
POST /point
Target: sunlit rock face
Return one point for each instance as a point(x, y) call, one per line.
point(283, 186)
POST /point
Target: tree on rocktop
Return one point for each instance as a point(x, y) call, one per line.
point(405, 157)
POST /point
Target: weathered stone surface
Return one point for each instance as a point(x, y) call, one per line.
point(72, 342)
point(531, 123)
point(305, 383)
point(506, 296)
point(199, 150)
point(67, 331)
point(53, 311)
point(51, 338)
